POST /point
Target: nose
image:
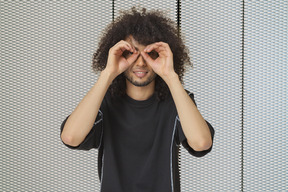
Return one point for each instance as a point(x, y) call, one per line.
point(140, 61)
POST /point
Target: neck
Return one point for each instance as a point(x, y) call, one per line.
point(140, 93)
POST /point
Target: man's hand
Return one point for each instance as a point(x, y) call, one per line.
point(163, 64)
point(195, 128)
point(117, 63)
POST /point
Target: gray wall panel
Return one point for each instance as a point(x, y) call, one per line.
point(168, 7)
point(266, 141)
point(212, 30)
point(46, 52)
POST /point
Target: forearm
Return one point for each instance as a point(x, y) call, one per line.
point(193, 124)
point(81, 120)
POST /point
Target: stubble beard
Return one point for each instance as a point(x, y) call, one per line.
point(140, 84)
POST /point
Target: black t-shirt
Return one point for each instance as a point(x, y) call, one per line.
point(138, 143)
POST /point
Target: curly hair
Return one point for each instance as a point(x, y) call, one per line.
point(146, 28)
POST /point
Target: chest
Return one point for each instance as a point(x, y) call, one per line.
point(140, 128)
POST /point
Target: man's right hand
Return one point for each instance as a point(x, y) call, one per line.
point(117, 62)
point(81, 121)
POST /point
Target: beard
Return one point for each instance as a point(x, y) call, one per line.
point(140, 84)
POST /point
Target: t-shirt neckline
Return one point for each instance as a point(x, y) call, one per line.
point(141, 103)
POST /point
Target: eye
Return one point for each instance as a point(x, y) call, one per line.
point(153, 54)
point(127, 54)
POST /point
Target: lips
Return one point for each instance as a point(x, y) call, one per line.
point(140, 73)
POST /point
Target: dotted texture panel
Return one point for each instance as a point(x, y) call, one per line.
point(266, 79)
point(46, 54)
point(169, 7)
point(46, 51)
point(212, 30)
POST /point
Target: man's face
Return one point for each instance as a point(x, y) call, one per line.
point(139, 73)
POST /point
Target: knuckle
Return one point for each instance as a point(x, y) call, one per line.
point(122, 41)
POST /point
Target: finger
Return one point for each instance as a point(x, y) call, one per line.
point(128, 46)
point(151, 47)
point(147, 58)
point(155, 45)
point(158, 47)
point(133, 57)
point(165, 48)
point(121, 47)
point(123, 43)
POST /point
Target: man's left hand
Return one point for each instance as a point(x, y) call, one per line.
point(163, 64)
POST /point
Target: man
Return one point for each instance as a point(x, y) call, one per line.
point(138, 113)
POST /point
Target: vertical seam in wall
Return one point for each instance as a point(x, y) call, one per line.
point(179, 17)
point(113, 10)
point(242, 100)
point(178, 11)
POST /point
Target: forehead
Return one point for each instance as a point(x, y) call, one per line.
point(133, 42)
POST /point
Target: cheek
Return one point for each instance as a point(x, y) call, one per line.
point(129, 69)
point(152, 71)
point(149, 68)
point(126, 73)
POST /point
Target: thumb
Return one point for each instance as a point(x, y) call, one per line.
point(147, 58)
point(133, 57)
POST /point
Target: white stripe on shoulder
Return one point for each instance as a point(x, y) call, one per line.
point(171, 155)
point(101, 115)
point(101, 118)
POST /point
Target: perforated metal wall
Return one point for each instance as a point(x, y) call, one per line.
point(168, 7)
point(212, 30)
point(46, 51)
point(266, 104)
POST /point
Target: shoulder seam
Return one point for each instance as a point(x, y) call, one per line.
point(101, 115)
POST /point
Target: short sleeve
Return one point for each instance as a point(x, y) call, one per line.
point(94, 137)
point(181, 139)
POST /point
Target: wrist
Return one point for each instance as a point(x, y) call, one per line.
point(107, 76)
point(171, 78)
